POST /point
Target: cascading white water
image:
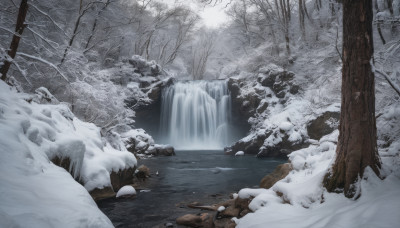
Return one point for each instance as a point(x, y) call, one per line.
point(196, 115)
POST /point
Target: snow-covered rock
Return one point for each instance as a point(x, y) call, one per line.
point(125, 191)
point(239, 153)
point(221, 208)
point(34, 191)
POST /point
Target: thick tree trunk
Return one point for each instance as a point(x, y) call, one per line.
point(19, 28)
point(357, 147)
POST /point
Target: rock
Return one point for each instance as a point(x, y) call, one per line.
point(64, 163)
point(281, 94)
point(280, 172)
point(126, 192)
point(142, 172)
point(147, 81)
point(202, 220)
point(122, 178)
point(248, 147)
point(161, 150)
point(294, 89)
point(242, 204)
point(239, 153)
point(244, 212)
point(169, 225)
point(224, 223)
point(262, 107)
point(230, 212)
point(155, 92)
point(104, 193)
point(323, 125)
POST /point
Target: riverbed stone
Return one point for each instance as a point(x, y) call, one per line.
point(230, 211)
point(102, 193)
point(224, 223)
point(196, 220)
point(143, 172)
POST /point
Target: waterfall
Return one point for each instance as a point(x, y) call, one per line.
point(196, 115)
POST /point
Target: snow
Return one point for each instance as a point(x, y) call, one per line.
point(221, 209)
point(239, 153)
point(286, 126)
point(126, 191)
point(304, 202)
point(34, 191)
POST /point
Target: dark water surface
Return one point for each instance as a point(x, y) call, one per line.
point(203, 176)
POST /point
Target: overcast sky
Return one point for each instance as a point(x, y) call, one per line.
point(213, 16)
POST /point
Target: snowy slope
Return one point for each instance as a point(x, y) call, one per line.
point(305, 203)
point(34, 191)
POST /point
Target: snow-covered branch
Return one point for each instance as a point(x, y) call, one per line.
point(49, 17)
point(43, 61)
point(389, 80)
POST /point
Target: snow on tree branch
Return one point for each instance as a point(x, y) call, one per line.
point(43, 61)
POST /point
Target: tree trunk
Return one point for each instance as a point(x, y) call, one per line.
point(301, 20)
point(378, 27)
point(357, 146)
point(19, 28)
point(95, 23)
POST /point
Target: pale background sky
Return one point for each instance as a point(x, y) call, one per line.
point(213, 16)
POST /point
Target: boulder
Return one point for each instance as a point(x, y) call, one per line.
point(280, 172)
point(242, 204)
point(142, 172)
point(230, 211)
point(103, 193)
point(323, 125)
point(251, 146)
point(122, 178)
point(191, 220)
point(161, 150)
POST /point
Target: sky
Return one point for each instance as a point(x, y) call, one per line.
point(212, 16)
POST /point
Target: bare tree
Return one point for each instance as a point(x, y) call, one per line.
point(200, 55)
point(82, 12)
point(19, 28)
point(95, 23)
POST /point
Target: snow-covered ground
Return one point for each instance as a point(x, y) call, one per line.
point(34, 191)
point(299, 200)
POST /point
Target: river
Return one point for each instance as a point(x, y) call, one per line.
point(206, 176)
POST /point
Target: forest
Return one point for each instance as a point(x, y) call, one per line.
point(200, 113)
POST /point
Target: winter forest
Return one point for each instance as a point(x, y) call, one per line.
point(200, 113)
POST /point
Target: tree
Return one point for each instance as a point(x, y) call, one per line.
point(200, 55)
point(357, 145)
point(19, 28)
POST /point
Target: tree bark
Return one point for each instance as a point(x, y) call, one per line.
point(357, 146)
point(19, 28)
point(301, 20)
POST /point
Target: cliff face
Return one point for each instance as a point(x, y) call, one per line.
point(272, 103)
